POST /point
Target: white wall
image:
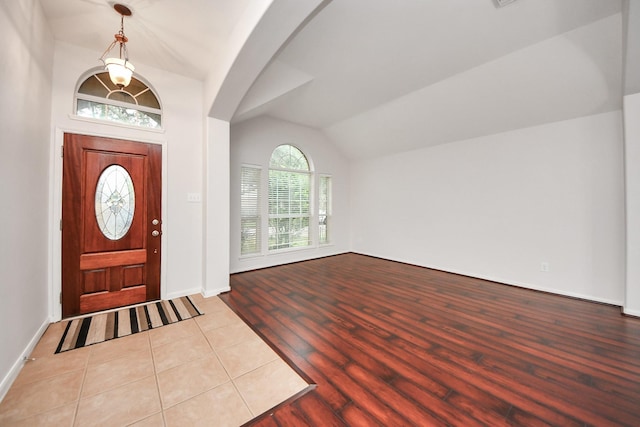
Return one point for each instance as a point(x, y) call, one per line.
point(182, 141)
point(216, 208)
point(25, 104)
point(252, 142)
point(631, 40)
point(632, 169)
point(256, 38)
point(498, 206)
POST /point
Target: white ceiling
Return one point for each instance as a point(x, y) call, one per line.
point(378, 76)
point(183, 37)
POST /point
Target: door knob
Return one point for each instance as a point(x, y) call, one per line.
point(155, 233)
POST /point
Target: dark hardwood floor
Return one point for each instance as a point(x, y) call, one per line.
point(397, 345)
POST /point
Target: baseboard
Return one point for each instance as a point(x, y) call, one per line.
point(541, 289)
point(182, 293)
point(192, 291)
point(206, 294)
point(565, 293)
point(634, 313)
point(553, 291)
point(8, 379)
point(237, 269)
point(214, 292)
point(511, 283)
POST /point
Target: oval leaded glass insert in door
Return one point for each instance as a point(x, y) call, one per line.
point(115, 202)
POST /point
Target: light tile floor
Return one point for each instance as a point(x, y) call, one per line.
point(212, 370)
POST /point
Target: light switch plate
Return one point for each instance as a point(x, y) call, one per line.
point(194, 198)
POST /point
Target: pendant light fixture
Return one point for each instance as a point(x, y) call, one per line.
point(120, 69)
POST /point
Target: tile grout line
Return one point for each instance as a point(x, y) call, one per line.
point(30, 384)
point(244, 400)
point(233, 380)
point(94, 351)
point(84, 377)
point(174, 367)
point(214, 351)
point(155, 375)
point(218, 356)
point(228, 373)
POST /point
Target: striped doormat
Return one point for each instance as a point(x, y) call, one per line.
point(115, 324)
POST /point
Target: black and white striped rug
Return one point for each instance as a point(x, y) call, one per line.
point(101, 327)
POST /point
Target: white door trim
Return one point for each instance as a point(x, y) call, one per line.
point(55, 212)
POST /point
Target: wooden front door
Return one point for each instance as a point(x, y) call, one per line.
point(111, 223)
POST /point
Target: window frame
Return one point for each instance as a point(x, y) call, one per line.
point(314, 203)
point(93, 73)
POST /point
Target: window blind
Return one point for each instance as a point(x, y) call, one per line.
point(324, 209)
point(250, 210)
point(289, 203)
point(289, 209)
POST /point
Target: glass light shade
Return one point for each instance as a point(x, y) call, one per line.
point(120, 71)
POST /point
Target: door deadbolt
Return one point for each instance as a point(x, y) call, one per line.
point(155, 222)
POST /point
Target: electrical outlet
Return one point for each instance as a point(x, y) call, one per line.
point(544, 266)
point(194, 198)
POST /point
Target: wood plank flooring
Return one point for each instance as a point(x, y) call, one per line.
point(392, 344)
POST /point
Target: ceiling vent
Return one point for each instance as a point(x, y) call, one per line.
point(503, 3)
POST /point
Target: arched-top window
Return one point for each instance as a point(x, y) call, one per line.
point(289, 198)
point(288, 157)
point(291, 216)
point(137, 104)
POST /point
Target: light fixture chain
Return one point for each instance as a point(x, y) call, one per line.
point(120, 69)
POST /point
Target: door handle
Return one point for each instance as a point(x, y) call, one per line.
point(155, 233)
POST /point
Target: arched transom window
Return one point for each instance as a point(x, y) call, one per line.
point(137, 104)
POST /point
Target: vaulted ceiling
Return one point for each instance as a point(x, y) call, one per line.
point(183, 37)
point(379, 77)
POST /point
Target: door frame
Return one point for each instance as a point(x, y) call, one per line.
point(55, 202)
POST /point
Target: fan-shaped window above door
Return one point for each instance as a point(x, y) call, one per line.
point(137, 104)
